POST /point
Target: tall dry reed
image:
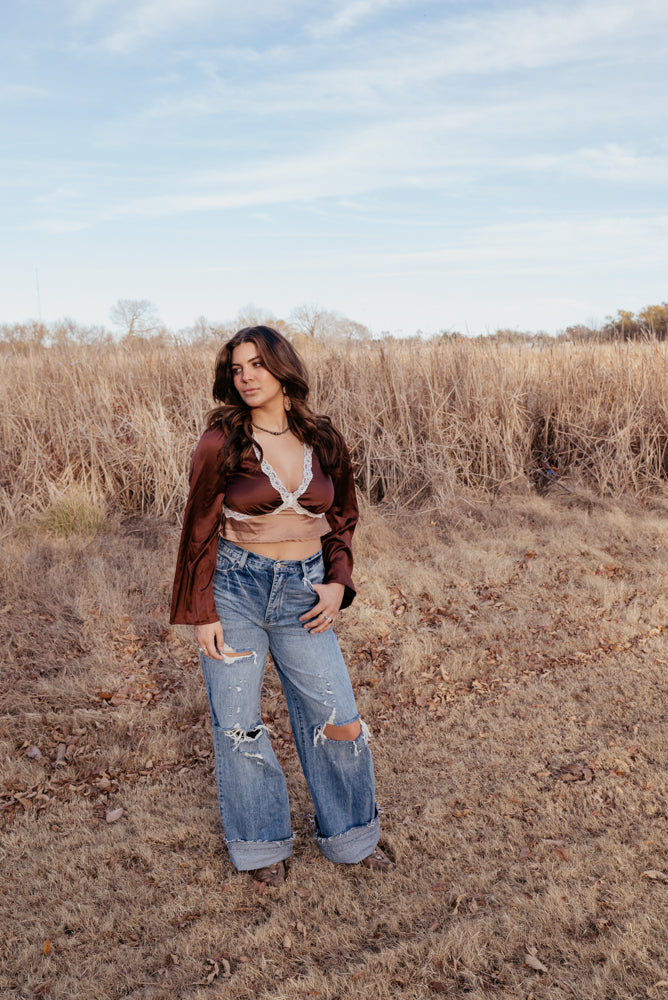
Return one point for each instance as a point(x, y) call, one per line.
point(423, 420)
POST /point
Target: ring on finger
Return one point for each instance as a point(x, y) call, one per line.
point(327, 618)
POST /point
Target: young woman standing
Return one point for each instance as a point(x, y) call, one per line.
point(265, 564)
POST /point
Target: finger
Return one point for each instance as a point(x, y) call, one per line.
point(212, 654)
point(313, 612)
point(321, 623)
point(212, 645)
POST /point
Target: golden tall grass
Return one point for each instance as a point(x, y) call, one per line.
point(424, 421)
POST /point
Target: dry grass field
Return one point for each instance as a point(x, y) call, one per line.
point(508, 647)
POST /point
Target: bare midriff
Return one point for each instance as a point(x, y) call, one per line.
point(288, 550)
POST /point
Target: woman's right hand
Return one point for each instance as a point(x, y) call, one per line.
point(210, 640)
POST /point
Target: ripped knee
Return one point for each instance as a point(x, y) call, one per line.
point(348, 732)
point(240, 736)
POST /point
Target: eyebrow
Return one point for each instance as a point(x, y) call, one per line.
point(237, 364)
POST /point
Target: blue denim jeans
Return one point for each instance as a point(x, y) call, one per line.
point(259, 601)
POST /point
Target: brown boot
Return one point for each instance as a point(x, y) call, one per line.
point(378, 862)
point(272, 875)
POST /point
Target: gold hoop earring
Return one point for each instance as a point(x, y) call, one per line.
point(287, 404)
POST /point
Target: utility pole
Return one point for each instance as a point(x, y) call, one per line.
point(39, 301)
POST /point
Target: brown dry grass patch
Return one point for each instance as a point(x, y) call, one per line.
point(510, 660)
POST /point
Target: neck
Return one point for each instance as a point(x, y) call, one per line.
point(271, 418)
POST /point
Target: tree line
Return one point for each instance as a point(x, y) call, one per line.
point(135, 323)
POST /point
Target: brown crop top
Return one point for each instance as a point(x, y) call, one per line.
point(252, 492)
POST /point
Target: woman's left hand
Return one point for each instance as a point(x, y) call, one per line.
point(321, 616)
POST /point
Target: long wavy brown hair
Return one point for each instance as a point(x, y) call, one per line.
point(233, 417)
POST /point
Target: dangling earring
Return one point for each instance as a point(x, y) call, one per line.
point(287, 402)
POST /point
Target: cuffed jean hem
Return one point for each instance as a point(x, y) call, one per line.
point(352, 846)
point(247, 855)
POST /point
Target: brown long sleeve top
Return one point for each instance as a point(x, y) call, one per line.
point(192, 594)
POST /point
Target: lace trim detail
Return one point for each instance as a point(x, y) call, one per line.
point(288, 499)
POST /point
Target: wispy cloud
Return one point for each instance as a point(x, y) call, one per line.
point(369, 159)
point(417, 67)
point(83, 11)
point(552, 243)
point(128, 25)
point(152, 19)
point(608, 162)
point(350, 15)
point(13, 93)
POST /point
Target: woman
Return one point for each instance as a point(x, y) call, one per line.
point(265, 564)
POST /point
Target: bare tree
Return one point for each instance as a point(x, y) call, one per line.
point(252, 315)
point(136, 317)
point(310, 320)
point(313, 321)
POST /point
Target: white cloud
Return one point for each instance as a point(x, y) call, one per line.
point(609, 162)
point(83, 11)
point(351, 15)
point(57, 227)
point(443, 151)
point(12, 93)
point(416, 68)
point(152, 19)
point(138, 23)
point(362, 160)
point(537, 245)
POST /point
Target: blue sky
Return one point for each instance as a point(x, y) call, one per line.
point(413, 164)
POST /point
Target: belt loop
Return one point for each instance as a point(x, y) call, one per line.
point(242, 558)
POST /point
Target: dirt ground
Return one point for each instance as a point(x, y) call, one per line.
point(510, 659)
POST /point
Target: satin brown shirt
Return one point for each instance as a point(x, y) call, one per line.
point(192, 594)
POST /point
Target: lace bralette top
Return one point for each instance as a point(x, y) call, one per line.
point(259, 508)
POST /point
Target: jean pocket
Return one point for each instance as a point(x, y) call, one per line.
point(314, 574)
point(226, 559)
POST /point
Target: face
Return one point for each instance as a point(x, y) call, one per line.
point(254, 383)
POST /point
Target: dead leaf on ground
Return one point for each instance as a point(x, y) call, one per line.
point(114, 814)
point(215, 971)
point(534, 963)
point(42, 988)
point(655, 875)
point(576, 772)
point(46, 950)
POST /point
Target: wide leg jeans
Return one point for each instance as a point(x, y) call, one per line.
point(259, 601)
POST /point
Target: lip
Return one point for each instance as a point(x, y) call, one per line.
point(247, 392)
